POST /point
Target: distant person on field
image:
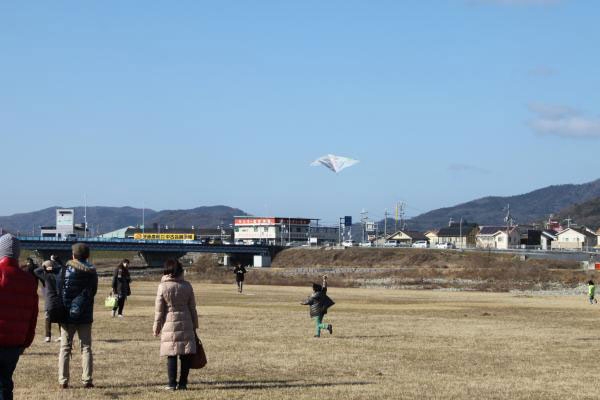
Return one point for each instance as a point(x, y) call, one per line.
point(49, 274)
point(120, 286)
point(176, 320)
point(592, 292)
point(239, 272)
point(80, 287)
point(319, 303)
point(18, 312)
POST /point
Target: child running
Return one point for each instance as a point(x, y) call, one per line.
point(319, 303)
point(592, 292)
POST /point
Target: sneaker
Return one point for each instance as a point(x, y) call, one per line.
point(169, 387)
point(64, 385)
point(330, 329)
point(120, 315)
point(89, 385)
point(317, 336)
point(47, 339)
point(181, 387)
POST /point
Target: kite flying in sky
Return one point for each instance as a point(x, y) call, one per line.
point(334, 163)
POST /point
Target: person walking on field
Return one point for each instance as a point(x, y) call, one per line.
point(319, 303)
point(49, 274)
point(18, 312)
point(121, 287)
point(239, 272)
point(79, 288)
point(592, 292)
point(176, 320)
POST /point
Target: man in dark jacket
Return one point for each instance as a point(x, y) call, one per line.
point(18, 312)
point(49, 273)
point(79, 288)
point(239, 272)
point(319, 303)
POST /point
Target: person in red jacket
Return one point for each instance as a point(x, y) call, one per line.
point(18, 312)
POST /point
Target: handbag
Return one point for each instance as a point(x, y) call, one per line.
point(110, 301)
point(198, 360)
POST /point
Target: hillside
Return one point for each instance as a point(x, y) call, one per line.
point(586, 213)
point(525, 208)
point(105, 219)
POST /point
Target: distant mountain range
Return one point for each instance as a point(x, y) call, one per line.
point(580, 202)
point(106, 219)
point(534, 206)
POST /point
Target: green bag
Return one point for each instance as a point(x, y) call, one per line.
point(110, 301)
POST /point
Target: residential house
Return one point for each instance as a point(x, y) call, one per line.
point(406, 238)
point(575, 239)
point(432, 236)
point(497, 237)
point(461, 235)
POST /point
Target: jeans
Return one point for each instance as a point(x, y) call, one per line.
point(172, 370)
point(67, 333)
point(120, 305)
point(319, 325)
point(9, 356)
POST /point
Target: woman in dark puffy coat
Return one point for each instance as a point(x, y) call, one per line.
point(319, 303)
point(120, 286)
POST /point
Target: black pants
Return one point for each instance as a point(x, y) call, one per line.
point(172, 370)
point(240, 284)
point(120, 304)
point(9, 357)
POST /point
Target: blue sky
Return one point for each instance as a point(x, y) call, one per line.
point(189, 103)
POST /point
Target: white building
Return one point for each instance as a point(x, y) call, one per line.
point(281, 230)
point(496, 237)
point(575, 239)
point(65, 226)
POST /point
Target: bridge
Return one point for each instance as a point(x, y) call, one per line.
point(153, 252)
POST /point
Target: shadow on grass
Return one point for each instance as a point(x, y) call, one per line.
point(271, 384)
point(237, 385)
point(365, 336)
point(124, 340)
point(589, 339)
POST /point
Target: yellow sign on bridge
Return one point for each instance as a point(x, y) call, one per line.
point(163, 236)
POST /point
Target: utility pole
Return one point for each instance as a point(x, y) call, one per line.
point(460, 233)
point(385, 225)
point(509, 220)
point(85, 215)
point(569, 219)
point(363, 219)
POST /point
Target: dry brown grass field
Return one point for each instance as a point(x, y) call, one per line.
point(387, 344)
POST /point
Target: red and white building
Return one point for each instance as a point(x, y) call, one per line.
point(282, 230)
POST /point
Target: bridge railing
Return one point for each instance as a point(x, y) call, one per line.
point(104, 240)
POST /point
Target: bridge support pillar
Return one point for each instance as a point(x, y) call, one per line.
point(262, 260)
point(157, 258)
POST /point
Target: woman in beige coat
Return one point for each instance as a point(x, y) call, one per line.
point(175, 321)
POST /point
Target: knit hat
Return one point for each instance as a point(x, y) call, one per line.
point(81, 251)
point(9, 246)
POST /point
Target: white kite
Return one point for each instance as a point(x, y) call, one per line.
point(334, 163)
